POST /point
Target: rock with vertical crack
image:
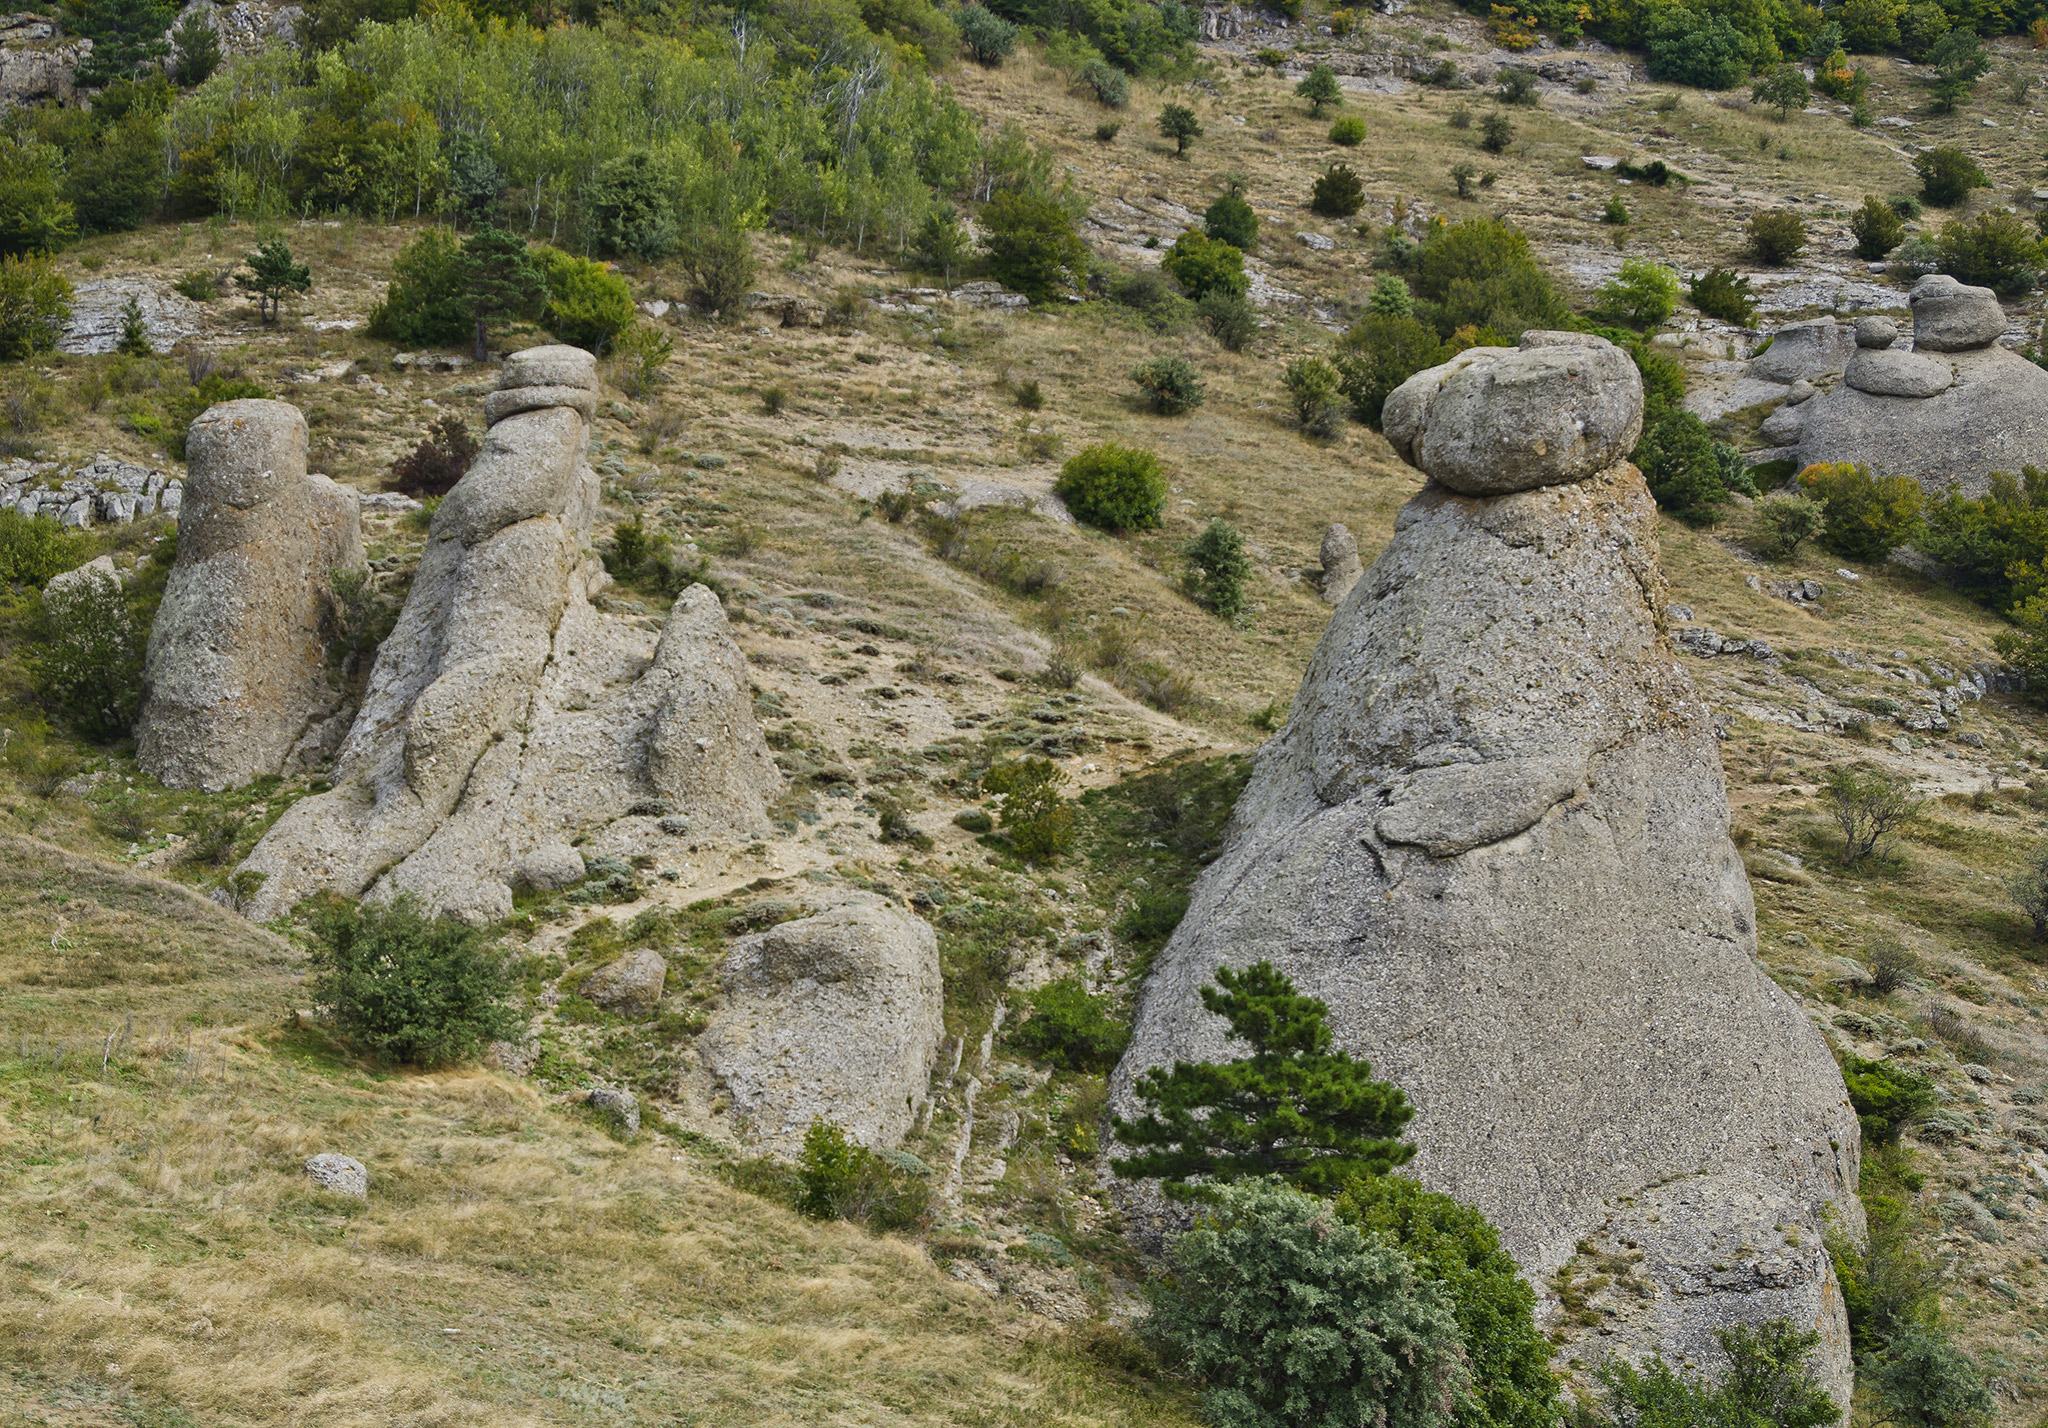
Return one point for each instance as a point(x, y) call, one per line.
point(236, 678)
point(506, 718)
point(1493, 837)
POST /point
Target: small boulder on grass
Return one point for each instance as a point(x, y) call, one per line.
point(339, 1175)
point(630, 986)
point(619, 1110)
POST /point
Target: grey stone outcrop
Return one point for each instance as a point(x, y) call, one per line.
point(105, 490)
point(236, 675)
point(505, 717)
point(1340, 562)
point(621, 1108)
point(37, 62)
point(339, 1174)
point(631, 986)
point(835, 1017)
point(1954, 409)
point(1493, 838)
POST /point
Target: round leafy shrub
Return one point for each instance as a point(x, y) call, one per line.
point(1703, 50)
point(1338, 193)
point(1229, 318)
point(1867, 515)
point(1111, 86)
point(84, 654)
point(1171, 384)
point(1231, 220)
point(1349, 132)
point(1287, 1315)
point(1029, 807)
point(988, 36)
point(1642, 294)
point(1947, 176)
point(1315, 390)
point(1452, 1245)
point(588, 305)
point(1071, 1029)
point(405, 987)
point(1117, 488)
point(1217, 565)
point(1032, 246)
point(1380, 352)
point(1776, 236)
point(1203, 265)
point(1878, 228)
point(1886, 1098)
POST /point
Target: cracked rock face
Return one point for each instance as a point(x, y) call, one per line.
point(235, 685)
point(507, 718)
point(1950, 412)
point(1493, 837)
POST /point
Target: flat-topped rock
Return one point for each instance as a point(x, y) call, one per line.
point(1885, 373)
point(1951, 317)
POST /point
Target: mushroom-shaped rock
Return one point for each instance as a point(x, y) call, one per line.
point(506, 718)
point(1499, 419)
point(236, 674)
point(1493, 839)
point(835, 1017)
point(1951, 317)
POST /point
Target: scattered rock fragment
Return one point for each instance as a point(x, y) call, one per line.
point(339, 1174)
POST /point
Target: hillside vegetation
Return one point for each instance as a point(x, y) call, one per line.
point(871, 498)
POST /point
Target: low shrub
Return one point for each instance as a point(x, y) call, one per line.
point(1616, 212)
point(1642, 294)
point(1110, 85)
point(1768, 1384)
point(1776, 236)
point(1231, 220)
point(1790, 521)
point(1878, 228)
point(83, 657)
point(1230, 318)
point(1203, 265)
point(1217, 565)
point(2000, 251)
point(988, 37)
point(1315, 391)
point(1867, 516)
point(1113, 487)
point(840, 1179)
point(1869, 807)
point(1171, 385)
point(1947, 176)
point(1040, 823)
point(1689, 473)
point(588, 304)
point(1886, 1099)
point(1348, 132)
point(1151, 919)
point(1496, 133)
point(1338, 192)
point(1285, 1314)
point(434, 466)
point(1071, 1029)
point(1032, 244)
point(32, 550)
point(404, 987)
point(1380, 352)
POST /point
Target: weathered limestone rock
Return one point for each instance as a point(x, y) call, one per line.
point(236, 675)
point(505, 717)
point(339, 1174)
point(1493, 837)
point(1340, 562)
point(630, 986)
point(1812, 350)
point(36, 61)
point(1950, 412)
point(835, 1017)
point(97, 571)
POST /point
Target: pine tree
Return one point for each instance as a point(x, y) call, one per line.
point(1294, 1108)
point(272, 274)
point(942, 244)
point(134, 338)
point(498, 281)
point(127, 38)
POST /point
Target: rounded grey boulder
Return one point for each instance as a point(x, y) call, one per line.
point(1951, 317)
point(1340, 562)
point(339, 1174)
point(1492, 420)
point(630, 986)
point(551, 867)
point(551, 366)
point(1875, 332)
point(1884, 373)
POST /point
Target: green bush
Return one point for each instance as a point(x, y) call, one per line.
point(1947, 175)
point(84, 654)
point(1117, 488)
point(1776, 236)
point(1170, 384)
point(1616, 212)
point(1110, 85)
point(1885, 1098)
point(35, 216)
point(1878, 228)
point(1233, 221)
point(2000, 251)
point(1921, 28)
point(1642, 294)
point(1720, 294)
point(1230, 318)
point(1338, 192)
point(1320, 87)
point(1380, 352)
point(1922, 1380)
point(423, 305)
point(32, 550)
point(588, 304)
point(630, 206)
point(1204, 265)
point(1217, 565)
point(1348, 132)
point(1784, 89)
point(1686, 47)
point(1496, 133)
point(1994, 547)
point(405, 987)
point(1315, 391)
point(1032, 245)
point(1071, 1029)
point(1481, 273)
point(1678, 460)
point(1178, 123)
point(1790, 521)
point(1288, 1316)
point(718, 268)
point(35, 303)
point(1959, 60)
point(1870, 27)
point(988, 37)
point(840, 1179)
point(1867, 515)
point(1151, 919)
point(1452, 1245)
point(1151, 294)
point(1768, 1385)
point(1029, 808)
point(1295, 1107)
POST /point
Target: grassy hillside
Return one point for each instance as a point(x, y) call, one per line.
point(162, 1258)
